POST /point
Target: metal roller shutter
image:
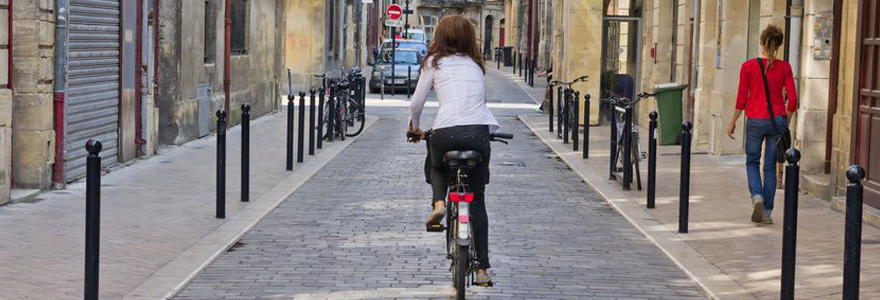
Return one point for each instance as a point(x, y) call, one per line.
point(92, 104)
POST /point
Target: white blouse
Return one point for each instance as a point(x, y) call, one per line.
point(461, 94)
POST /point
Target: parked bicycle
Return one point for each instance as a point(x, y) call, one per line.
point(619, 106)
point(345, 101)
point(564, 113)
point(459, 246)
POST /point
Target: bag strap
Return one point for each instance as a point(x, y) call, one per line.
point(767, 94)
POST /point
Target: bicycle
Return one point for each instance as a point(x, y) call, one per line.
point(345, 97)
point(459, 248)
point(620, 106)
point(565, 115)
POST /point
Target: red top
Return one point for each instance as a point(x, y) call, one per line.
point(751, 96)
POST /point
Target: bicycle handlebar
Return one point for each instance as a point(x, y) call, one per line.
point(493, 137)
point(576, 80)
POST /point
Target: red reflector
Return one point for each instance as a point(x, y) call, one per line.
point(455, 197)
point(464, 219)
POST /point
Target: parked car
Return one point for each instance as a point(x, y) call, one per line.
point(416, 35)
point(422, 47)
point(406, 62)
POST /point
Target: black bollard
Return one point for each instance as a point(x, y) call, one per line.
point(245, 151)
point(612, 114)
point(575, 125)
point(498, 58)
point(408, 81)
point(549, 109)
point(586, 126)
point(531, 78)
point(852, 253)
point(789, 227)
point(320, 134)
point(289, 161)
point(566, 118)
point(514, 62)
point(652, 158)
point(528, 68)
point(685, 187)
point(559, 108)
point(331, 128)
point(301, 124)
point(627, 147)
point(312, 122)
point(221, 164)
point(93, 218)
point(520, 64)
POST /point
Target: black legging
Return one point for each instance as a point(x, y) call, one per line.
point(465, 137)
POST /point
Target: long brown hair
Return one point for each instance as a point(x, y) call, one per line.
point(771, 39)
point(454, 35)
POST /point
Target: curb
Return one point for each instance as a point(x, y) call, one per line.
point(711, 280)
point(174, 276)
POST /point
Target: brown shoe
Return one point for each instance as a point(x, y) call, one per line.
point(758, 209)
point(436, 215)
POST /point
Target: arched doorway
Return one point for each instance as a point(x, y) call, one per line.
point(501, 33)
point(487, 40)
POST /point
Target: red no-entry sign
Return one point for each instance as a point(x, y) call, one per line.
point(394, 12)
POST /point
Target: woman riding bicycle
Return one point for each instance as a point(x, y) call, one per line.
point(454, 68)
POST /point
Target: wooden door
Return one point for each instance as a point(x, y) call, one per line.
point(867, 100)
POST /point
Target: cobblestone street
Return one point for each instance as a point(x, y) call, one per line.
point(355, 230)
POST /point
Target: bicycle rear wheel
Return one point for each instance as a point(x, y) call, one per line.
point(459, 275)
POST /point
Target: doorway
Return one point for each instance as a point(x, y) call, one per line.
point(487, 40)
point(867, 100)
point(620, 57)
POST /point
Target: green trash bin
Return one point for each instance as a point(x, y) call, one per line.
point(669, 110)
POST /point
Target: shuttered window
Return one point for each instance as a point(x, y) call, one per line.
point(239, 27)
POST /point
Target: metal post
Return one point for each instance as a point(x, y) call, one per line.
point(320, 135)
point(566, 119)
point(627, 147)
point(652, 158)
point(498, 57)
point(575, 126)
point(312, 122)
point(560, 106)
point(520, 64)
point(289, 161)
point(612, 115)
point(789, 227)
point(408, 81)
point(550, 112)
point(525, 74)
point(245, 151)
point(852, 253)
point(685, 187)
point(93, 218)
point(301, 127)
point(586, 149)
point(514, 62)
point(221, 164)
point(331, 119)
point(382, 84)
point(531, 78)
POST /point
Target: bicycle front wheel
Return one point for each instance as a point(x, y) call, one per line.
point(462, 262)
point(356, 118)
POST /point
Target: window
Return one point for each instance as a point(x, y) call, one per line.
point(239, 27)
point(210, 31)
point(331, 24)
point(428, 23)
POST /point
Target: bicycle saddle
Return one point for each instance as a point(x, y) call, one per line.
point(454, 158)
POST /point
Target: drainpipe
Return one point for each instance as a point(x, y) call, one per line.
point(226, 54)
point(794, 22)
point(138, 72)
point(9, 84)
point(60, 83)
point(832, 85)
point(694, 56)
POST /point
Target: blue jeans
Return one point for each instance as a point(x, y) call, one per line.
point(761, 131)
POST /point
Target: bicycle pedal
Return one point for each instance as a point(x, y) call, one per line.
point(487, 284)
point(435, 227)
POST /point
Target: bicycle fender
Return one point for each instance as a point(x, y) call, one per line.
point(463, 242)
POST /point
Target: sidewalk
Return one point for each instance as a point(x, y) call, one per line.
point(157, 218)
point(726, 254)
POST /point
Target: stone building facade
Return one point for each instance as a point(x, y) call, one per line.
point(702, 44)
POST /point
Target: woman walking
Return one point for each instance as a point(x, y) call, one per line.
point(761, 83)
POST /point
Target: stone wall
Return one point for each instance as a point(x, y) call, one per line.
point(304, 37)
point(33, 53)
point(5, 107)
point(841, 156)
point(182, 66)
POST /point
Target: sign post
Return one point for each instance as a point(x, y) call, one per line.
point(393, 14)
